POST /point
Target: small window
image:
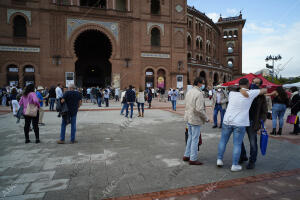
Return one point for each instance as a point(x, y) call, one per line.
point(225, 34)
point(235, 34)
point(155, 7)
point(155, 37)
point(20, 29)
point(121, 5)
point(189, 41)
point(201, 45)
point(230, 63)
point(197, 43)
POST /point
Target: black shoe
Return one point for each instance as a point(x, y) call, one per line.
point(27, 141)
point(243, 160)
point(37, 141)
point(215, 126)
point(274, 131)
point(251, 165)
point(279, 131)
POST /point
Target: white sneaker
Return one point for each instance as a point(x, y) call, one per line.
point(220, 163)
point(236, 168)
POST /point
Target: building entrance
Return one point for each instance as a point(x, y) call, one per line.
point(93, 68)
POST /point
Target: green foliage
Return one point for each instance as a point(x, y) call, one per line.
point(282, 80)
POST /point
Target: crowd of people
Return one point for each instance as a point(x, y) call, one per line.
point(243, 110)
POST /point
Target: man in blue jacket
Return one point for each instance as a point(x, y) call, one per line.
point(130, 99)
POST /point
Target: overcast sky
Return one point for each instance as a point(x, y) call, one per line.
point(272, 27)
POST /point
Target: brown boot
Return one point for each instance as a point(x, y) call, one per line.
point(139, 114)
point(195, 162)
point(142, 114)
point(186, 159)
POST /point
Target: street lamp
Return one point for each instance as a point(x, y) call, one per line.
point(273, 59)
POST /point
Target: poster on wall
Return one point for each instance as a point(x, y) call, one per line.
point(161, 82)
point(179, 79)
point(116, 80)
point(69, 78)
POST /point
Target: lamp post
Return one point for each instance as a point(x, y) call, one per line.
point(273, 59)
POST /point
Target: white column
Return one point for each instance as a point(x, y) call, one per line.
point(128, 9)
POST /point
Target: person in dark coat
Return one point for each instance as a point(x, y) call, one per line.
point(130, 99)
point(295, 108)
point(149, 97)
point(258, 112)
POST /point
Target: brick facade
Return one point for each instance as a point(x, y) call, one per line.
point(53, 27)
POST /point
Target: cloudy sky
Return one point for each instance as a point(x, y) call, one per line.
point(272, 27)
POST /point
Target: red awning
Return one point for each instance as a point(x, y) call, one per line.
point(250, 77)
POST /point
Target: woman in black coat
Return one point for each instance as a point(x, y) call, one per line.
point(295, 108)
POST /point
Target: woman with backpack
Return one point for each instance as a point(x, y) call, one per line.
point(31, 105)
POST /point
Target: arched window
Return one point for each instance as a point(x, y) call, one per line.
point(155, 37)
point(230, 62)
point(20, 29)
point(201, 58)
point(201, 45)
point(225, 34)
point(155, 7)
point(197, 43)
point(189, 41)
point(230, 34)
point(235, 34)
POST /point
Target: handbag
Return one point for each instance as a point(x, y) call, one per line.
point(292, 119)
point(264, 137)
point(31, 110)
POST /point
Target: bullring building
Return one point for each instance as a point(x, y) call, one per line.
point(145, 43)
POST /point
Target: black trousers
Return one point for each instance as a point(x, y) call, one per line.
point(35, 122)
point(106, 102)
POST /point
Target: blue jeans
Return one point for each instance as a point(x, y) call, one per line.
point(141, 105)
point(73, 128)
point(124, 106)
point(252, 136)
point(52, 101)
point(278, 111)
point(218, 107)
point(131, 109)
point(191, 149)
point(174, 105)
point(99, 101)
point(238, 136)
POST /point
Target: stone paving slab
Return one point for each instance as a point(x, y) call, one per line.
point(39, 187)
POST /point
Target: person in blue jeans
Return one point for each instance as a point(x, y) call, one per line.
point(73, 100)
point(236, 120)
point(130, 99)
point(219, 103)
point(280, 102)
point(195, 116)
point(174, 95)
point(257, 113)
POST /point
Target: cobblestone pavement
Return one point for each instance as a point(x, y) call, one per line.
point(117, 157)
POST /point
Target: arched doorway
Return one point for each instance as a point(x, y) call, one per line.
point(28, 75)
point(12, 75)
point(216, 79)
point(161, 79)
point(149, 80)
point(93, 68)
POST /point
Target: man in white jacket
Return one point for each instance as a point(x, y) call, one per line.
point(195, 116)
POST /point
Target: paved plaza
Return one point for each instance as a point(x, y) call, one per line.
point(117, 157)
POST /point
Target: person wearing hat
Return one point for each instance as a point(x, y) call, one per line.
point(41, 99)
